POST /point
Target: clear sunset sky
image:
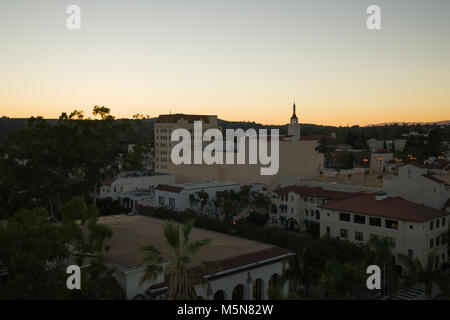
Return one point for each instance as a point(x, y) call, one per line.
point(242, 60)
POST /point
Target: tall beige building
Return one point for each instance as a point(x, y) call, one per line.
point(298, 157)
point(164, 126)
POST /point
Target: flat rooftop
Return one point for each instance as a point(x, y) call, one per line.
point(133, 232)
point(205, 185)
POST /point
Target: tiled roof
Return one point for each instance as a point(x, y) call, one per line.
point(107, 182)
point(232, 263)
point(166, 187)
point(313, 191)
point(433, 178)
point(397, 208)
point(173, 118)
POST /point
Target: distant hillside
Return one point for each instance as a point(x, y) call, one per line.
point(439, 123)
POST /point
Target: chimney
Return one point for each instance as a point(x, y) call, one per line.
point(381, 195)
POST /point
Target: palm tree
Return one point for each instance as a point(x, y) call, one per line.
point(300, 272)
point(380, 253)
point(417, 273)
point(181, 278)
point(339, 280)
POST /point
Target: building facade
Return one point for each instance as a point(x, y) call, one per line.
point(243, 269)
point(133, 181)
point(166, 124)
point(181, 197)
point(413, 230)
point(416, 183)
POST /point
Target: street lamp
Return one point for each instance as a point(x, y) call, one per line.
point(379, 159)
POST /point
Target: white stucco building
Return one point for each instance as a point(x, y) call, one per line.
point(179, 196)
point(243, 269)
point(413, 229)
point(416, 183)
point(295, 206)
point(133, 181)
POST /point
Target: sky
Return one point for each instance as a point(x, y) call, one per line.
point(241, 60)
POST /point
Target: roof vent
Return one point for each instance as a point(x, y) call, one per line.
point(381, 196)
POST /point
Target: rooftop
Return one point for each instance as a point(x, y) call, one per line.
point(190, 118)
point(133, 232)
point(177, 188)
point(313, 191)
point(396, 208)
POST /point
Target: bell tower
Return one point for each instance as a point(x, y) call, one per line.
point(294, 126)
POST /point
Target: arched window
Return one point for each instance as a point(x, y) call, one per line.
point(219, 295)
point(238, 292)
point(257, 289)
point(274, 281)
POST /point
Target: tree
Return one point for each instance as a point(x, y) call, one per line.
point(428, 275)
point(339, 280)
point(300, 273)
point(261, 202)
point(36, 253)
point(45, 165)
point(379, 252)
point(182, 279)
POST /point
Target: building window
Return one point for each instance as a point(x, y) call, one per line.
point(410, 253)
point(343, 234)
point(219, 295)
point(257, 289)
point(328, 231)
point(443, 222)
point(436, 266)
point(375, 222)
point(431, 225)
point(306, 212)
point(437, 223)
point(161, 200)
point(392, 242)
point(273, 282)
point(391, 224)
point(431, 243)
point(437, 241)
point(344, 216)
point(317, 215)
point(238, 292)
point(305, 199)
point(359, 236)
point(409, 173)
point(359, 219)
point(172, 203)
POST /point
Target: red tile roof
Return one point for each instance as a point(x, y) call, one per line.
point(313, 191)
point(166, 187)
point(107, 182)
point(397, 208)
point(173, 118)
point(232, 263)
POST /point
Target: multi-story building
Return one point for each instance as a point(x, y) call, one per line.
point(379, 159)
point(298, 157)
point(133, 181)
point(413, 229)
point(166, 124)
point(296, 206)
point(243, 269)
point(418, 184)
point(184, 196)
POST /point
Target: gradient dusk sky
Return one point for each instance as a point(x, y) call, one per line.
point(241, 60)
